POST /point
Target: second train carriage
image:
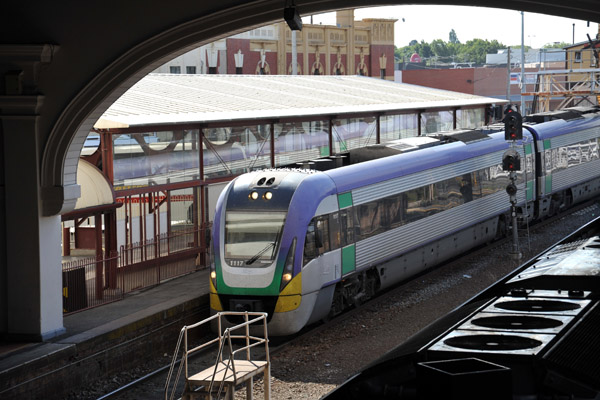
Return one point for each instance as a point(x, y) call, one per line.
point(305, 244)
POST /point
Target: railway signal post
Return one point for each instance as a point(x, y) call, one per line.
point(511, 162)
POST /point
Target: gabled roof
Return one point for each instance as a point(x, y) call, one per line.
point(172, 99)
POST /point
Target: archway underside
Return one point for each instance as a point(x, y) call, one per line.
point(181, 31)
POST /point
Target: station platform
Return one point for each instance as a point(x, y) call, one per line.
point(104, 340)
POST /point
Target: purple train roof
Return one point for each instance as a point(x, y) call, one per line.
point(354, 176)
point(560, 127)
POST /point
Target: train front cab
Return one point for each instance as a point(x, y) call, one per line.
point(272, 280)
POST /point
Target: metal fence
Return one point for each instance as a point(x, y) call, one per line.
point(90, 282)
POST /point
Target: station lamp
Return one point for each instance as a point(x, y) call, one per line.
point(292, 17)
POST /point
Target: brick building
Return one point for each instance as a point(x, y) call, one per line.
point(351, 47)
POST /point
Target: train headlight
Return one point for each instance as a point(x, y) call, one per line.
point(253, 195)
point(288, 269)
point(268, 196)
point(213, 274)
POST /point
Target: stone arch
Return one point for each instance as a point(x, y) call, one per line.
point(61, 152)
point(58, 168)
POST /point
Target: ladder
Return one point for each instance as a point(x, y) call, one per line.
point(228, 372)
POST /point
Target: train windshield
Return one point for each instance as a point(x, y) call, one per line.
point(252, 239)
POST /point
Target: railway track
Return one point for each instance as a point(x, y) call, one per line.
point(150, 385)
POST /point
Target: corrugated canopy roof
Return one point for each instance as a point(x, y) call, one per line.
point(172, 99)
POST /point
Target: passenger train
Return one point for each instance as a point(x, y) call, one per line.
point(304, 244)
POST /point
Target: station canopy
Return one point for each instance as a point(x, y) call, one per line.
point(161, 99)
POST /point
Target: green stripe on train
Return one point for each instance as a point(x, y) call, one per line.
point(529, 190)
point(546, 144)
point(271, 290)
point(348, 259)
point(345, 200)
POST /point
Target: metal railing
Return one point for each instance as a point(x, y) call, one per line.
point(94, 281)
point(90, 282)
point(224, 371)
point(150, 262)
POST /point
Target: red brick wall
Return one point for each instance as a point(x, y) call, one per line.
point(376, 51)
point(288, 62)
point(333, 59)
point(492, 82)
point(251, 58)
point(367, 59)
point(458, 80)
point(233, 45)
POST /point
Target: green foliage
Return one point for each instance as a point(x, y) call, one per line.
point(518, 47)
point(475, 50)
point(452, 38)
point(556, 45)
point(439, 51)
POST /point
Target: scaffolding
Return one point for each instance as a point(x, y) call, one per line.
point(578, 84)
point(570, 88)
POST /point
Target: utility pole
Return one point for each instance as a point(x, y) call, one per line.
point(294, 54)
point(508, 75)
point(522, 85)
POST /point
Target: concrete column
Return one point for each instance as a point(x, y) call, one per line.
point(328, 71)
point(281, 49)
point(32, 262)
point(305, 51)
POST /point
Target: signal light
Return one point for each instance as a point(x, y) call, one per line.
point(513, 125)
point(511, 189)
point(511, 161)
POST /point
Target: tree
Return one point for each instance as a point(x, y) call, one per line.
point(453, 38)
point(556, 45)
point(475, 50)
point(518, 48)
point(439, 48)
point(423, 49)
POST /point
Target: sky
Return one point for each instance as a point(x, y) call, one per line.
point(435, 22)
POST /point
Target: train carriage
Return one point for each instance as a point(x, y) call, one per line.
point(569, 161)
point(303, 245)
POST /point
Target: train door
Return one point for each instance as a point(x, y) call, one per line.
point(322, 252)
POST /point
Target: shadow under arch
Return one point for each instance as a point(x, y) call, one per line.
point(61, 152)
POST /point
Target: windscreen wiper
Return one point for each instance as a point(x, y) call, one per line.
point(260, 253)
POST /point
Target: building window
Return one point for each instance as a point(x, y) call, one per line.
point(175, 69)
point(577, 56)
point(190, 69)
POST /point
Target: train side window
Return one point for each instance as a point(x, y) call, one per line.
point(334, 230)
point(465, 183)
point(476, 181)
point(347, 226)
point(418, 203)
point(310, 248)
point(322, 234)
point(393, 207)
